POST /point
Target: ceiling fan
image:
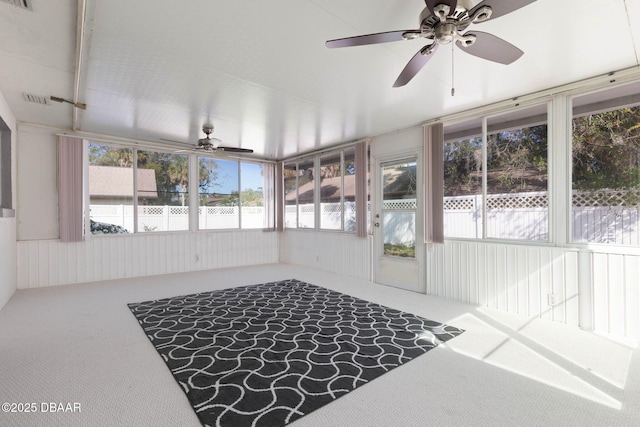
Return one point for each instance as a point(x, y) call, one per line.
point(442, 22)
point(212, 144)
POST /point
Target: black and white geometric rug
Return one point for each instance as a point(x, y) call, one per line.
point(266, 355)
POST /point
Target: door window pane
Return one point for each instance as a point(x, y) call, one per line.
point(399, 203)
point(399, 234)
point(399, 183)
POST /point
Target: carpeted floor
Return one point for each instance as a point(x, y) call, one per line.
point(80, 344)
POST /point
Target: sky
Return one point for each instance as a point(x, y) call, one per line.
point(227, 180)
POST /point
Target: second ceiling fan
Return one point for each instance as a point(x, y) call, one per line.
point(212, 145)
point(443, 22)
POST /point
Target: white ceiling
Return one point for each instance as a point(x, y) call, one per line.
point(157, 70)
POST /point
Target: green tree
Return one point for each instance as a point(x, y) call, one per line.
point(606, 149)
point(171, 170)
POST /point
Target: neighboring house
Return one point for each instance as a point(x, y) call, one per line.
point(111, 185)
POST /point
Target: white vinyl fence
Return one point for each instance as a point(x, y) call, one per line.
point(330, 214)
point(604, 216)
point(175, 218)
point(597, 217)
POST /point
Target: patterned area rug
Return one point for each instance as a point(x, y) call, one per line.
point(266, 355)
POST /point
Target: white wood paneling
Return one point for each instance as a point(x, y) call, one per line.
point(7, 259)
point(593, 290)
point(50, 262)
point(341, 253)
point(507, 277)
point(616, 294)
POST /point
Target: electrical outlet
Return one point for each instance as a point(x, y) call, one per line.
point(552, 299)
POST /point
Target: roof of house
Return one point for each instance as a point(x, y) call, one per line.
point(329, 190)
point(113, 181)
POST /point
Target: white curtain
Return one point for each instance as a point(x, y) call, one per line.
point(433, 183)
point(71, 206)
point(361, 188)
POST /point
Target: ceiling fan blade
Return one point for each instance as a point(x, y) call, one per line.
point(492, 48)
point(390, 36)
point(433, 3)
point(415, 64)
point(501, 7)
point(235, 150)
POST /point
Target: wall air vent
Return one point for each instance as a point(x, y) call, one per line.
point(36, 99)
point(22, 4)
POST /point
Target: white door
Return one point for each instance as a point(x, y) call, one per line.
point(399, 245)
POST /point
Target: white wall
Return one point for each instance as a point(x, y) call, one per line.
point(8, 225)
point(37, 158)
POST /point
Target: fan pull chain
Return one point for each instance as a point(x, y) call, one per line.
point(453, 89)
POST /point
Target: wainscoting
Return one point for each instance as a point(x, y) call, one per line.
point(593, 289)
point(50, 262)
point(340, 253)
point(616, 293)
point(535, 281)
point(579, 287)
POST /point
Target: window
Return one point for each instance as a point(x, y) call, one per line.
point(163, 191)
point(517, 176)
point(219, 198)
point(290, 177)
point(510, 200)
point(110, 189)
point(222, 204)
point(338, 190)
point(230, 192)
point(332, 194)
point(252, 206)
point(299, 186)
point(331, 191)
point(463, 180)
point(606, 167)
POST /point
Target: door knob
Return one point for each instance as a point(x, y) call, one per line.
point(377, 224)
